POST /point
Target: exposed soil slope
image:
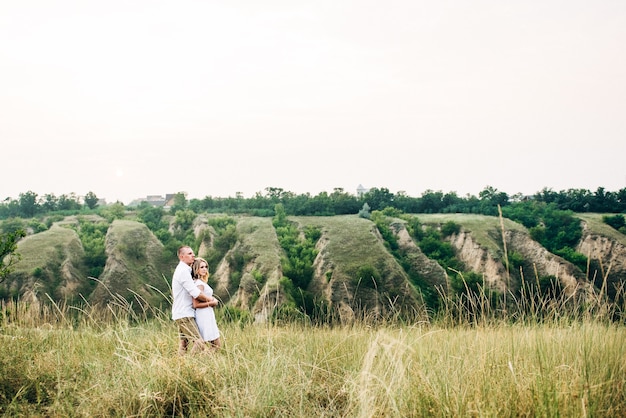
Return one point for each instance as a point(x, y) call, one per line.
point(136, 269)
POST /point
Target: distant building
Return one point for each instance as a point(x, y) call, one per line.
point(157, 201)
point(170, 200)
point(360, 191)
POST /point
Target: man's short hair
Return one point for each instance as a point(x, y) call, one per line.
point(181, 248)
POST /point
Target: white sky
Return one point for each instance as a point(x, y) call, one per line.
point(139, 97)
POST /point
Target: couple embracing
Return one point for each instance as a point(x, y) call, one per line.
point(193, 302)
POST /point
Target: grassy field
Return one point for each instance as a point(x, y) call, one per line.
point(61, 361)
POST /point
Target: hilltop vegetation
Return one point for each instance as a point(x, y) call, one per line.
point(339, 202)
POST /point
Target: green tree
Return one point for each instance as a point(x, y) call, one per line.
point(490, 198)
point(114, 211)
point(180, 203)
point(28, 204)
point(151, 216)
point(68, 202)
point(405, 203)
point(49, 202)
point(184, 219)
point(275, 194)
point(280, 217)
point(12, 225)
point(8, 252)
point(431, 202)
point(183, 223)
point(297, 265)
point(343, 203)
point(319, 205)
point(93, 236)
point(379, 199)
point(563, 229)
point(91, 200)
point(226, 237)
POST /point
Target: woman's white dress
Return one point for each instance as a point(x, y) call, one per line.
point(205, 317)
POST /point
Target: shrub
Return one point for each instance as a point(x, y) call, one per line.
point(37, 226)
point(12, 225)
point(450, 228)
point(365, 211)
point(576, 258)
point(233, 314)
point(287, 313)
point(258, 276)
point(414, 226)
point(391, 212)
point(516, 260)
point(614, 221)
point(367, 276)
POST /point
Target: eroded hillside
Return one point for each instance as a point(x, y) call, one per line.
point(606, 249)
point(136, 270)
point(353, 271)
point(485, 244)
point(255, 286)
point(52, 262)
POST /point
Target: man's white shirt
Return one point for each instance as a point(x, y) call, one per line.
point(183, 292)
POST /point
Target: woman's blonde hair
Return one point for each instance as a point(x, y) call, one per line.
point(195, 269)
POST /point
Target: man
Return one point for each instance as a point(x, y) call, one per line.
point(183, 293)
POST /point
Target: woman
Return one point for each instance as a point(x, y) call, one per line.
point(205, 316)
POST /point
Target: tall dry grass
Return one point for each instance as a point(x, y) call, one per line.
point(58, 360)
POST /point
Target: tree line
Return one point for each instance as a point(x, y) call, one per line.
point(339, 202)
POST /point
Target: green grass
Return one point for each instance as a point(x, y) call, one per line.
point(595, 224)
point(60, 361)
